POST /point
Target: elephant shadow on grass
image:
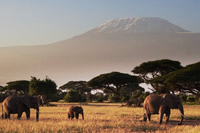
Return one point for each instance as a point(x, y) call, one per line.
point(185, 122)
point(188, 121)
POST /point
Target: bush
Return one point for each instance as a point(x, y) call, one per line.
point(89, 97)
point(197, 100)
point(191, 99)
point(114, 98)
point(74, 96)
point(83, 97)
point(125, 98)
point(137, 98)
point(183, 97)
point(99, 97)
point(58, 96)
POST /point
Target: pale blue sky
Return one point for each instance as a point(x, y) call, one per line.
point(34, 22)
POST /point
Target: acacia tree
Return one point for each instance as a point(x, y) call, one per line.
point(186, 80)
point(80, 87)
point(19, 86)
point(76, 85)
point(153, 69)
point(3, 95)
point(2, 88)
point(114, 83)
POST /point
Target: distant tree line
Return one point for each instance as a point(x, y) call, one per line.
point(33, 87)
point(163, 76)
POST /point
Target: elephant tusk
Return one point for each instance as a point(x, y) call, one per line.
point(181, 111)
point(182, 115)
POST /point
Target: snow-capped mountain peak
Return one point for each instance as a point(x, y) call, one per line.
point(140, 24)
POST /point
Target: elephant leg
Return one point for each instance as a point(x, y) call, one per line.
point(162, 111)
point(161, 117)
point(72, 116)
point(19, 115)
point(77, 115)
point(167, 114)
point(28, 114)
point(69, 116)
point(149, 117)
point(6, 116)
point(145, 117)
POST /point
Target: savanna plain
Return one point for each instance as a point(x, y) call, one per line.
point(101, 117)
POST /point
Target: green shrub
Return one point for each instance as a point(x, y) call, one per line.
point(99, 97)
point(114, 98)
point(191, 99)
point(74, 96)
point(183, 97)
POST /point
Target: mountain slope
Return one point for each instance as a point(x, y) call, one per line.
point(85, 56)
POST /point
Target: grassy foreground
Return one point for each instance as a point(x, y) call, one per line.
point(102, 117)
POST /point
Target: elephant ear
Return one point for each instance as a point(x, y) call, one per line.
point(26, 100)
point(169, 100)
point(39, 100)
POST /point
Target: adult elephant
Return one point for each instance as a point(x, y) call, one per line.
point(161, 104)
point(19, 104)
point(75, 111)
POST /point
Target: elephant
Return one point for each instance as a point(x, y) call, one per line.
point(160, 104)
point(75, 111)
point(19, 104)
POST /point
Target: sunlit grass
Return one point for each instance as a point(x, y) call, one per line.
point(101, 117)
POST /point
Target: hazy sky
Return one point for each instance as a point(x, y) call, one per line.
point(34, 22)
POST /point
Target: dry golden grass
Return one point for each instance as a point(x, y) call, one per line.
point(102, 117)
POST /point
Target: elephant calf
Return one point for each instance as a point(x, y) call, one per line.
point(75, 111)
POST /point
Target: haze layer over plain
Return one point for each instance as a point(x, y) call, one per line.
point(117, 45)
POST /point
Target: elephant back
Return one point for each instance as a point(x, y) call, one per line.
point(152, 103)
point(77, 109)
point(69, 109)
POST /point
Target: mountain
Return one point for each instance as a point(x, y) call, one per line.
point(138, 25)
point(117, 45)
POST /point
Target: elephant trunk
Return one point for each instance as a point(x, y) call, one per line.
point(82, 116)
point(182, 113)
point(37, 114)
